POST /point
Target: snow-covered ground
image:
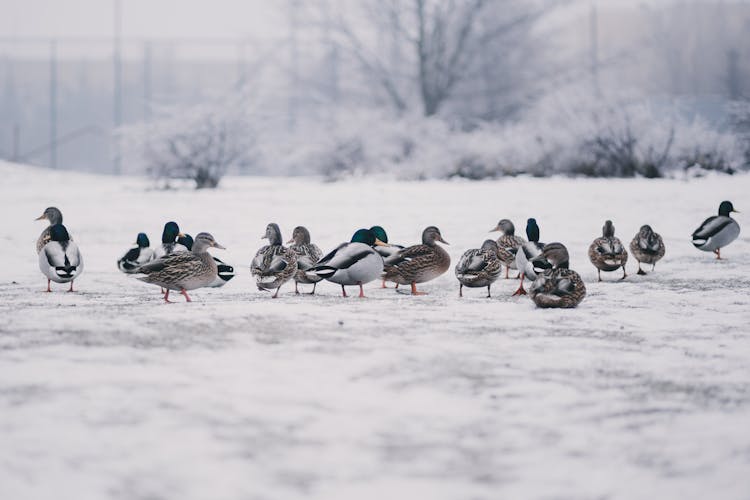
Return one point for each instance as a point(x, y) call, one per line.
point(641, 392)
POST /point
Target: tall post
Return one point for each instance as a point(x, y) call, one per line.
point(117, 91)
point(594, 46)
point(53, 104)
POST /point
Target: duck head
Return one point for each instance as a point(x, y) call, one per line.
point(380, 233)
point(532, 230)
point(171, 232)
point(725, 208)
point(489, 245)
point(186, 240)
point(430, 235)
point(204, 241)
point(608, 230)
point(273, 234)
point(52, 214)
point(506, 226)
point(142, 241)
point(300, 236)
point(367, 237)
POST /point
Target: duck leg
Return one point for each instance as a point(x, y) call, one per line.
point(520, 290)
point(599, 273)
point(276, 293)
point(361, 290)
point(71, 287)
point(624, 273)
point(653, 266)
point(641, 271)
point(507, 272)
point(718, 253)
point(343, 291)
point(414, 289)
point(460, 289)
point(296, 289)
point(489, 293)
point(166, 297)
point(48, 288)
point(383, 285)
point(313, 292)
point(187, 298)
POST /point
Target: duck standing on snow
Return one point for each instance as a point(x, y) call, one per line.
point(225, 272)
point(479, 267)
point(647, 247)
point(274, 264)
point(526, 253)
point(508, 244)
point(718, 231)
point(607, 252)
point(558, 286)
point(137, 256)
point(308, 254)
point(169, 244)
point(353, 263)
point(386, 250)
point(418, 263)
point(183, 271)
point(54, 216)
point(60, 259)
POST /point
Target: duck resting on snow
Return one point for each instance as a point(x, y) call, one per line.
point(647, 247)
point(607, 252)
point(718, 231)
point(274, 264)
point(557, 286)
point(352, 263)
point(137, 256)
point(479, 267)
point(60, 259)
point(183, 271)
point(418, 263)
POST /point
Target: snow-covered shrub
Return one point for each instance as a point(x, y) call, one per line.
point(200, 143)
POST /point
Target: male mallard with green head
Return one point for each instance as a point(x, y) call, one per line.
point(60, 259)
point(418, 263)
point(718, 231)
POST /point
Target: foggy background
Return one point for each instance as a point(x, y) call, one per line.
point(412, 88)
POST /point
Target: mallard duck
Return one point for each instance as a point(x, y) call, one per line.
point(183, 271)
point(508, 244)
point(418, 263)
point(169, 244)
point(274, 264)
point(308, 254)
point(54, 216)
point(647, 247)
point(479, 267)
point(527, 252)
point(353, 263)
point(225, 271)
point(557, 286)
point(718, 231)
point(607, 253)
point(60, 259)
point(386, 250)
point(137, 256)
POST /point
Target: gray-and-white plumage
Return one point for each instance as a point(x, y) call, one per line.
point(274, 264)
point(479, 267)
point(54, 216)
point(60, 260)
point(557, 286)
point(647, 247)
point(137, 256)
point(308, 254)
point(183, 271)
point(526, 253)
point(607, 252)
point(718, 231)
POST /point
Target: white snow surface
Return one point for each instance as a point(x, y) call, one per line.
point(108, 393)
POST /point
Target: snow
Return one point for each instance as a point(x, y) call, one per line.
point(641, 392)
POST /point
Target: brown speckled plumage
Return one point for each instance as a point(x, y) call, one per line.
point(607, 252)
point(558, 286)
point(647, 247)
point(418, 263)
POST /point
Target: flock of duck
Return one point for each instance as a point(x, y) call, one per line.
point(182, 263)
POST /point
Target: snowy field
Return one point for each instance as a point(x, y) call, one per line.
point(108, 393)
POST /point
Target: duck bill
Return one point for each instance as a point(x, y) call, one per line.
point(440, 239)
point(497, 228)
point(379, 243)
point(216, 245)
point(41, 217)
point(736, 211)
point(180, 235)
point(290, 241)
